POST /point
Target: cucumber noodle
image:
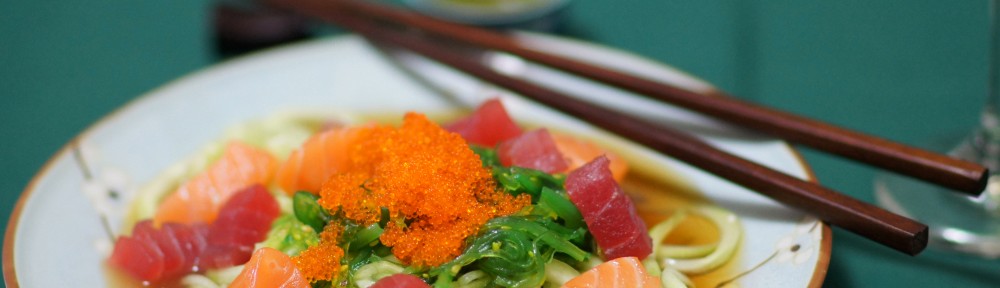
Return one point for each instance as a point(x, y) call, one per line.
point(695, 259)
point(283, 133)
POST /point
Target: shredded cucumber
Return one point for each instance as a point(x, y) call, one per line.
point(367, 275)
point(213, 278)
point(558, 273)
point(473, 279)
point(671, 278)
point(590, 263)
point(652, 267)
point(730, 233)
point(661, 230)
point(199, 281)
point(686, 251)
point(224, 276)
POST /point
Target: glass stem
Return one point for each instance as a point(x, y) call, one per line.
point(993, 90)
point(986, 140)
point(983, 145)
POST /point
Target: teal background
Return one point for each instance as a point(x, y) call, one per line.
point(905, 70)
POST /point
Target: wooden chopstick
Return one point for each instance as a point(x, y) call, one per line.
point(879, 225)
point(962, 176)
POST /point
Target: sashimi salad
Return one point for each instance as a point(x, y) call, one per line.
point(475, 202)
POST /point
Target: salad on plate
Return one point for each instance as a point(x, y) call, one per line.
point(477, 201)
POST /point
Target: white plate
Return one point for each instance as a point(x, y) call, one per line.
point(50, 241)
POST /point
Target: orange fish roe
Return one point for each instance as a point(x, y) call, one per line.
point(322, 261)
point(427, 177)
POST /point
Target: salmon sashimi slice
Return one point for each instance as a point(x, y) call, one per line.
point(199, 200)
point(321, 156)
point(624, 272)
point(269, 268)
point(578, 152)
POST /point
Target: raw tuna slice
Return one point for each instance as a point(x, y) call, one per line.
point(400, 281)
point(243, 221)
point(173, 255)
point(191, 241)
point(159, 254)
point(610, 214)
point(139, 258)
point(488, 125)
point(535, 150)
point(176, 249)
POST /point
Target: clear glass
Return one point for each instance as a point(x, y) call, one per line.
point(957, 222)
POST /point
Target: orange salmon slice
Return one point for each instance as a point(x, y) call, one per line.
point(321, 156)
point(579, 152)
point(199, 199)
point(624, 272)
point(269, 268)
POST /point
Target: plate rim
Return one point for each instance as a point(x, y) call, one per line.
point(10, 272)
point(826, 242)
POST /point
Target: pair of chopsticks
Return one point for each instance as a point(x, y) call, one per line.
point(395, 27)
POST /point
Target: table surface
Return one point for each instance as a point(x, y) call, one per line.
point(905, 70)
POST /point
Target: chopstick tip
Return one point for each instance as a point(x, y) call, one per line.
point(984, 179)
point(918, 243)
